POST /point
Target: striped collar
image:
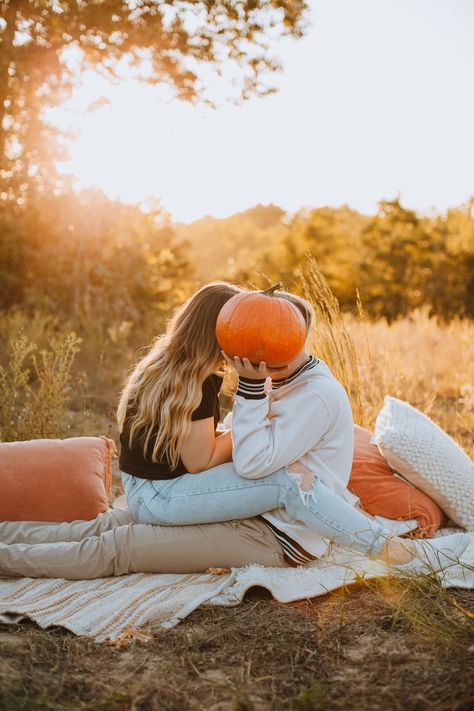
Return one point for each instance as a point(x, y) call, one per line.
point(311, 363)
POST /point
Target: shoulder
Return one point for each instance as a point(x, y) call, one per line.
point(317, 388)
point(321, 379)
point(324, 382)
point(210, 388)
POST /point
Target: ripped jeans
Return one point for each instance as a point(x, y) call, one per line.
point(220, 494)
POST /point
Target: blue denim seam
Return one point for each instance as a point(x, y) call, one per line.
point(337, 527)
point(215, 490)
point(162, 521)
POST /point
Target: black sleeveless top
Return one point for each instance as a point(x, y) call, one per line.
point(132, 459)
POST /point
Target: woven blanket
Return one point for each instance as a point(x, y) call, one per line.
point(120, 608)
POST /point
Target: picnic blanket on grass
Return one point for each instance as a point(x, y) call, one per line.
point(114, 608)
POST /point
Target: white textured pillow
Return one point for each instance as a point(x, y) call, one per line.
point(428, 458)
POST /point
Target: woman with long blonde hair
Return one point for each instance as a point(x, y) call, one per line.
point(175, 384)
point(172, 389)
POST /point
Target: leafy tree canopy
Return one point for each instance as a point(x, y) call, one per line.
point(397, 260)
point(178, 41)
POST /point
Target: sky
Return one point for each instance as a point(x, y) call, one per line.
point(376, 100)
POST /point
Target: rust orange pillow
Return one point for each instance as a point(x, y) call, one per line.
point(383, 494)
point(55, 479)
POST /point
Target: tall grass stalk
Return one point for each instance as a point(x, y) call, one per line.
point(426, 606)
point(329, 338)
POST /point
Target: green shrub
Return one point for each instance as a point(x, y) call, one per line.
point(34, 388)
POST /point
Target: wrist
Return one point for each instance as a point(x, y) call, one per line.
point(251, 388)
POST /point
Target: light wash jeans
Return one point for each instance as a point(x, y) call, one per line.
point(220, 494)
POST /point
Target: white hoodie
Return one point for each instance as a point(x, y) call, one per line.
point(311, 422)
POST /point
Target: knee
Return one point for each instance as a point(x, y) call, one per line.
point(121, 545)
point(301, 475)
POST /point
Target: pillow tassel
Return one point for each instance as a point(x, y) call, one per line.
point(110, 454)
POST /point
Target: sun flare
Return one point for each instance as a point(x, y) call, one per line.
point(335, 133)
point(125, 138)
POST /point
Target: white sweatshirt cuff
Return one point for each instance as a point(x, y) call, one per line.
point(251, 389)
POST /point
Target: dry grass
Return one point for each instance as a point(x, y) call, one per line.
point(28, 412)
point(429, 365)
point(330, 338)
point(417, 359)
point(349, 650)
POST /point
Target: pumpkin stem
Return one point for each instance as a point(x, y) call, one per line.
point(269, 292)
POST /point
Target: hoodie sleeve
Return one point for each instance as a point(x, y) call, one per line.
point(262, 445)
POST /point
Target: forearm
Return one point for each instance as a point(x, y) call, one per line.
point(263, 444)
point(221, 451)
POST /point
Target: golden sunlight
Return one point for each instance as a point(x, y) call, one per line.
point(318, 141)
point(116, 127)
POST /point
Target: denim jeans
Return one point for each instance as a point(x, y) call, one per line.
point(220, 494)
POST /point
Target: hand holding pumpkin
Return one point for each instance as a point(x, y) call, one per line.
point(246, 369)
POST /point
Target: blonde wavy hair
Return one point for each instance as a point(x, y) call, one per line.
point(165, 387)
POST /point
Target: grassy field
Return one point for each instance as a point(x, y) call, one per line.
point(383, 646)
point(391, 644)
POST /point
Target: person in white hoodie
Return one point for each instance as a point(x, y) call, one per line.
point(304, 422)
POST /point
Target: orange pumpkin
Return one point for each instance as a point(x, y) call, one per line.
point(259, 325)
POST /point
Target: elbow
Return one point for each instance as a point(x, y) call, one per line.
point(249, 470)
point(193, 470)
point(198, 467)
point(194, 467)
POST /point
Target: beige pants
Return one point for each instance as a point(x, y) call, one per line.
point(112, 544)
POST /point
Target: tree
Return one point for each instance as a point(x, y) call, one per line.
point(229, 248)
point(177, 38)
point(451, 289)
point(330, 235)
point(84, 255)
point(397, 261)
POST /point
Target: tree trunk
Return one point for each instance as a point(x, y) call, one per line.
point(10, 14)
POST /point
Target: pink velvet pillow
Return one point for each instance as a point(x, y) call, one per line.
point(381, 493)
point(55, 479)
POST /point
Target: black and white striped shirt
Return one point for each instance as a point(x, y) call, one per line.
point(293, 553)
point(310, 363)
